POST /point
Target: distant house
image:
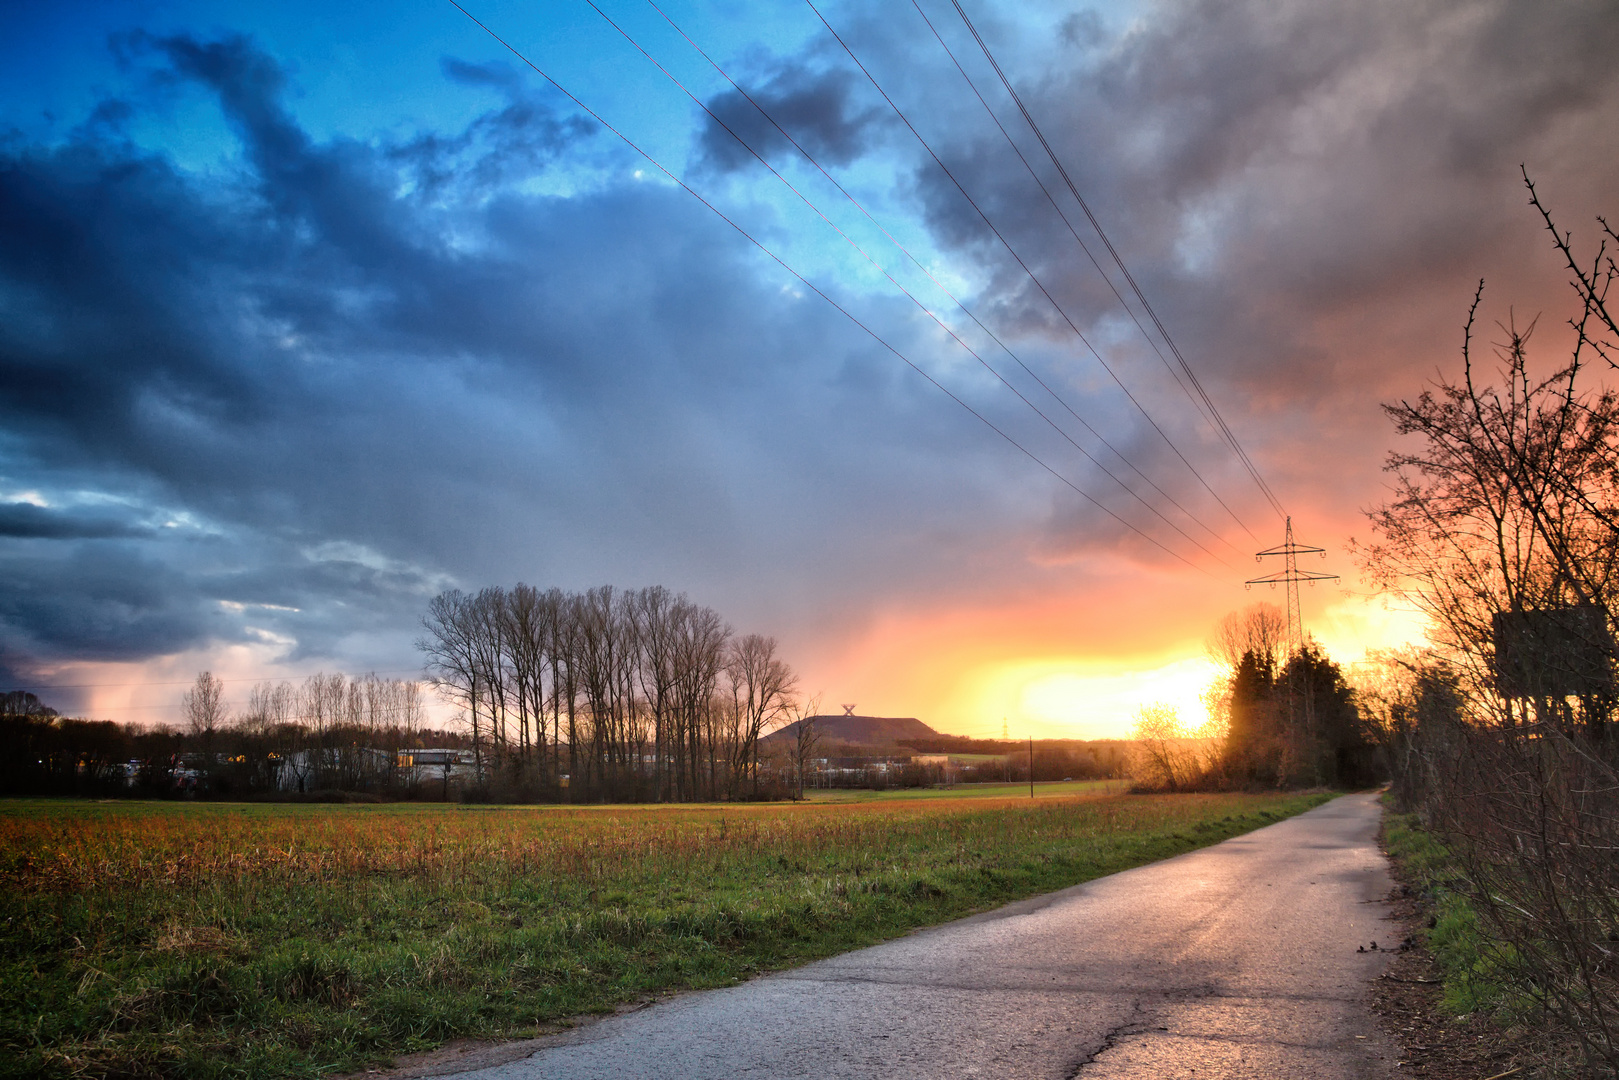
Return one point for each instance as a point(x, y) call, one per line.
point(346, 767)
point(452, 768)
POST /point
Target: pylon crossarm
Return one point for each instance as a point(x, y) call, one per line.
point(1290, 575)
point(1290, 549)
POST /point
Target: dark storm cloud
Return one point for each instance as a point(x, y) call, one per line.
point(225, 345)
point(100, 601)
point(1270, 168)
point(360, 371)
point(285, 398)
point(817, 107)
point(1308, 194)
point(28, 521)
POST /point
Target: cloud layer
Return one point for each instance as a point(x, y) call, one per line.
point(281, 401)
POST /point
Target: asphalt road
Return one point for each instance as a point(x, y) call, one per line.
point(1238, 960)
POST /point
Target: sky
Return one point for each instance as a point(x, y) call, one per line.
point(309, 311)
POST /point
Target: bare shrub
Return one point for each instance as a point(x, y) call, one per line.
point(1532, 814)
point(1169, 756)
point(1505, 520)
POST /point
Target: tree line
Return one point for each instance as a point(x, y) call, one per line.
point(327, 733)
point(619, 694)
point(607, 694)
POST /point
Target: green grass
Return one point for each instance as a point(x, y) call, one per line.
point(1042, 790)
point(1468, 961)
point(212, 940)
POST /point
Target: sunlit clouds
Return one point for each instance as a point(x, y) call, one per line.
point(310, 313)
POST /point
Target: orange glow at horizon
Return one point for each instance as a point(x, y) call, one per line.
point(1045, 666)
point(1029, 668)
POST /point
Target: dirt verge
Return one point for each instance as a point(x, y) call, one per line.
point(1438, 1045)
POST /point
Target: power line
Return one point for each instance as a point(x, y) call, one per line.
point(1222, 427)
point(897, 284)
point(818, 291)
point(1026, 269)
point(929, 273)
point(1151, 341)
point(30, 687)
point(1035, 176)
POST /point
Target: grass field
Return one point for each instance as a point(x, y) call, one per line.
point(164, 939)
point(1042, 790)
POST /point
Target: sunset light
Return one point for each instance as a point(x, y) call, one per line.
point(511, 512)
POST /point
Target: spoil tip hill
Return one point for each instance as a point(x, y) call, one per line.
point(860, 730)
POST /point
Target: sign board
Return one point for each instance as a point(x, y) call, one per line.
point(1560, 652)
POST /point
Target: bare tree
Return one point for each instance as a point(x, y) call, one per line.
point(1165, 757)
point(761, 692)
point(806, 736)
point(1260, 630)
point(269, 706)
point(1591, 283)
point(701, 641)
point(1504, 527)
point(629, 680)
point(526, 626)
point(205, 708)
point(1508, 504)
point(455, 656)
point(657, 615)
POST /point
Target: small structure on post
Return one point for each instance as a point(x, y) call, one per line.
point(1553, 653)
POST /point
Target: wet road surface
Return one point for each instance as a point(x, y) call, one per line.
point(1238, 960)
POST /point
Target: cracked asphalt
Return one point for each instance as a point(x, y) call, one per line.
point(1238, 960)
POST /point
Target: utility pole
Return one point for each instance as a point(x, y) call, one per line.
point(1031, 766)
point(1007, 760)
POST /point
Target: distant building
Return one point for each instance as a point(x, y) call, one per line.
point(452, 768)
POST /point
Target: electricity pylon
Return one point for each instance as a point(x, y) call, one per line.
point(1301, 747)
point(1291, 576)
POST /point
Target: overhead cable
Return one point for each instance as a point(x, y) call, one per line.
point(817, 290)
point(1174, 373)
point(1026, 268)
point(929, 273)
point(1222, 427)
point(901, 287)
